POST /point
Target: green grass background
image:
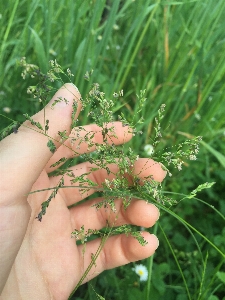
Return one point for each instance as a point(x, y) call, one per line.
point(175, 50)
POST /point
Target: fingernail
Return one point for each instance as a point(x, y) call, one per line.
point(74, 86)
point(158, 214)
point(154, 210)
point(156, 241)
point(165, 170)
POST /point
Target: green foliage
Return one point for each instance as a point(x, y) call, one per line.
point(221, 276)
point(37, 124)
point(200, 188)
point(9, 129)
point(52, 147)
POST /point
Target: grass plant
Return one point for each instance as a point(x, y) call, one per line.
point(175, 52)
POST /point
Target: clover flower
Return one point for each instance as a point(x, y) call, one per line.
point(141, 271)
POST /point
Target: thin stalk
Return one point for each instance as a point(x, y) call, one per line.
point(92, 263)
point(6, 35)
point(150, 266)
point(134, 53)
point(203, 276)
point(176, 260)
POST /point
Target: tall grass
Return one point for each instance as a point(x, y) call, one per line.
point(175, 50)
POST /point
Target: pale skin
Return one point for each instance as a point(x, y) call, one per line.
point(40, 260)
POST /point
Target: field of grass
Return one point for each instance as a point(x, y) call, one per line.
point(175, 50)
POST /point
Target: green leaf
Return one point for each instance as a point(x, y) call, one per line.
point(134, 294)
point(61, 160)
point(218, 155)
point(201, 187)
point(99, 297)
point(51, 146)
point(221, 276)
point(178, 2)
point(40, 51)
point(213, 297)
point(37, 124)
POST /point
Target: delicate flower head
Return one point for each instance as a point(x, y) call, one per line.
point(192, 157)
point(69, 72)
point(179, 165)
point(141, 271)
point(197, 116)
point(6, 109)
point(121, 93)
point(51, 51)
point(149, 149)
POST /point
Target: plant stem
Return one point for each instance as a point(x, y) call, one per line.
point(150, 265)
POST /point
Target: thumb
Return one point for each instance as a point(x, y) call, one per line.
point(25, 154)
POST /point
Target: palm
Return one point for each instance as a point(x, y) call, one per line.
point(49, 264)
point(49, 250)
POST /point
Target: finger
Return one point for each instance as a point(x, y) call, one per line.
point(24, 155)
point(117, 251)
point(139, 212)
point(84, 139)
point(143, 168)
point(149, 169)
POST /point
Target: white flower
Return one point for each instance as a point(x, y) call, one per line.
point(141, 271)
point(6, 109)
point(52, 52)
point(192, 157)
point(121, 93)
point(149, 150)
point(197, 116)
point(179, 166)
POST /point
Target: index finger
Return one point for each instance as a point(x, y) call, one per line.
point(85, 139)
point(143, 169)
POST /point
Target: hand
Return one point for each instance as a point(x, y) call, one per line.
point(40, 260)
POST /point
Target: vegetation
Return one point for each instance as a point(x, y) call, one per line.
point(175, 52)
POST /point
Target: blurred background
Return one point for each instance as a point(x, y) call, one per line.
point(175, 50)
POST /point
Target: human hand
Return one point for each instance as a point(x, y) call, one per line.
point(46, 263)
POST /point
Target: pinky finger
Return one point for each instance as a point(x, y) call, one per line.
point(117, 251)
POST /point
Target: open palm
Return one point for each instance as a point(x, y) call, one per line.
point(49, 264)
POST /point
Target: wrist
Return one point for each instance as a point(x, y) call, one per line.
point(13, 226)
point(25, 283)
